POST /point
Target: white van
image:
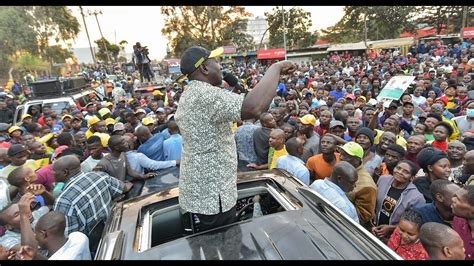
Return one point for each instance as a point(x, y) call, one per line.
point(56, 104)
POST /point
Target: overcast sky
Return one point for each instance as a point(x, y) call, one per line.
point(143, 24)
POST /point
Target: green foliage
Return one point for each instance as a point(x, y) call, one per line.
point(28, 62)
point(29, 28)
point(186, 26)
point(57, 54)
point(444, 16)
point(297, 27)
point(111, 48)
point(383, 22)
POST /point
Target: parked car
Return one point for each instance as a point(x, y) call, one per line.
point(57, 104)
point(297, 224)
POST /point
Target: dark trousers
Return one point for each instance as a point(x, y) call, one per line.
point(212, 221)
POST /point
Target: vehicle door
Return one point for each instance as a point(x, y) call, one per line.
point(18, 113)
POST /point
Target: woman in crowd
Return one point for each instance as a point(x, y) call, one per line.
point(395, 194)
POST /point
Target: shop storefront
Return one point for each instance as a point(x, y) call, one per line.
point(270, 56)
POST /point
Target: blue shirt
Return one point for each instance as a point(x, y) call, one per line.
point(139, 162)
point(337, 94)
point(153, 147)
point(172, 147)
point(429, 213)
point(334, 194)
point(295, 166)
point(244, 143)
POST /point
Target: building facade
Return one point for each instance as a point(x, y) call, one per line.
point(256, 27)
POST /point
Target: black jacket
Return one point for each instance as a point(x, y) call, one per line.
point(6, 116)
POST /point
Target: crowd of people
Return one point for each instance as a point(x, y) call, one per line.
point(404, 171)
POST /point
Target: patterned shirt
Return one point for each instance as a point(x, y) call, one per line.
point(87, 199)
point(244, 141)
point(208, 172)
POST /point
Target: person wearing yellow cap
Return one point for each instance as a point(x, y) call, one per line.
point(105, 113)
point(149, 123)
point(110, 122)
point(15, 133)
point(311, 146)
point(364, 195)
point(95, 125)
point(110, 105)
point(66, 122)
point(206, 125)
point(26, 119)
point(140, 114)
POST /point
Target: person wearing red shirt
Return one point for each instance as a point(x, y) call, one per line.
point(405, 239)
point(441, 132)
point(324, 121)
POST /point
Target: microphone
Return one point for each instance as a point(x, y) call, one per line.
point(233, 82)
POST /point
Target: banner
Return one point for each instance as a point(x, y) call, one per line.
point(271, 53)
point(468, 32)
point(394, 89)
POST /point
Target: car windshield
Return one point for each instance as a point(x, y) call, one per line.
point(57, 106)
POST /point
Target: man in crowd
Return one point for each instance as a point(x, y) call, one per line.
point(208, 180)
point(364, 194)
point(334, 188)
point(292, 162)
point(83, 213)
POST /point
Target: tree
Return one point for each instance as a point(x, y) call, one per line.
point(56, 22)
point(29, 28)
point(111, 48)
point(15, 34)
point(57, 54)
point(26, 62)
point(296, 19)
point(383, 22)
point(444, 17)
point(206, 26)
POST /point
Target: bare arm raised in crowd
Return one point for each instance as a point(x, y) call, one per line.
point(258, 100)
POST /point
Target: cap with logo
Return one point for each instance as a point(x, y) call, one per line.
point(194, 56)
point(15, 149)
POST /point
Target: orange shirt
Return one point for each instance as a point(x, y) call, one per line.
point(319, 167)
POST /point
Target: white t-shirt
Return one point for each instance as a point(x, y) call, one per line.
point(88, 164)
point(76, 248)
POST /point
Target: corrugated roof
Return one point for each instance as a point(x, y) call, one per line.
point(347, 46)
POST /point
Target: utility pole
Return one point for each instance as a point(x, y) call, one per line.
point(95, 13)
point(209, 11)
point(365, 29)
point(464, 19)
point(89, 39)
point(284, 30)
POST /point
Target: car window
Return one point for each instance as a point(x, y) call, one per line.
point(18, 114)
point(58, 106)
